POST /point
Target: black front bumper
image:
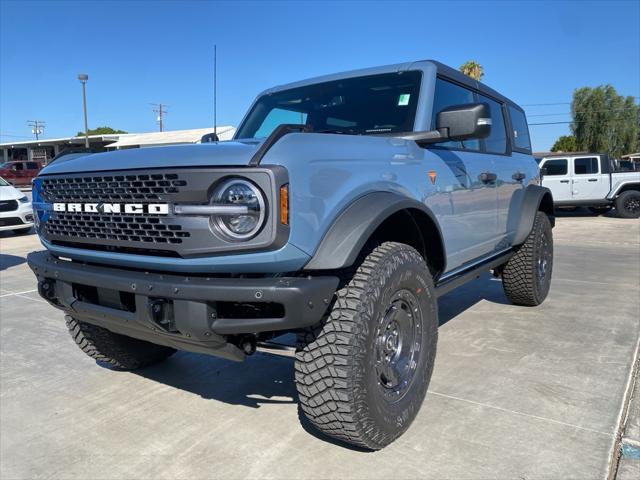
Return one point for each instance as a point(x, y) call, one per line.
point(183, 312)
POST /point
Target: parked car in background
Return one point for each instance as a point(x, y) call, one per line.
point(590, 180)
point(20, 173)
point(15, 209)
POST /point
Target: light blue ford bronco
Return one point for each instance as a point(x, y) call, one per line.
point(343, 208)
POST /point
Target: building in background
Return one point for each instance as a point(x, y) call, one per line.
point(44, 150)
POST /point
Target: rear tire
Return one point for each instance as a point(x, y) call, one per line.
point(628, 204)
point(362, 375)
point(601, 210)
point(526, 277)
point(118, 351)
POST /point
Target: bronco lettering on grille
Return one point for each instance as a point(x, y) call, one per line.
point(150, 208)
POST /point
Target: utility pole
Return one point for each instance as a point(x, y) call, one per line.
point(37, 127)
point(215, 87)
point(83, 77)
point(159, 109)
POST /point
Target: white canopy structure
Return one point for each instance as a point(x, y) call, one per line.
point(174, 137)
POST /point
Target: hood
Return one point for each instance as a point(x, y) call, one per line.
point(10, 193)
point(231, 153)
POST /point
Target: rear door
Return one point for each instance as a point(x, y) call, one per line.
point(588, 181)
point(557, 178)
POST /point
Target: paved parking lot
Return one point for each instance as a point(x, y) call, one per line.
point(516, 392)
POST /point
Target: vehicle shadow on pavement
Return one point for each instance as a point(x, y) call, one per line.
point(260, 380)
point(8, 261)
point(463, 298)
point(264, 379)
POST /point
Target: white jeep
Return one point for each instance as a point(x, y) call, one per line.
point(591, 180)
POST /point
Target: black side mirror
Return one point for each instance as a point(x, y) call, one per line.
point(458, 122)
point(465, 122)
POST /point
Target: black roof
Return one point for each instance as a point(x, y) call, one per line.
point(466, 80)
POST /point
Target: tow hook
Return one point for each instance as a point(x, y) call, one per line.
point(246, 343)
point(46, 289)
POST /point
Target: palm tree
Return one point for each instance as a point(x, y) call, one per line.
point(473, 69)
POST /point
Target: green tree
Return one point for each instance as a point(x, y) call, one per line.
point(101, 131)
point(604, 121)
point(472, 69)
point(566, 143)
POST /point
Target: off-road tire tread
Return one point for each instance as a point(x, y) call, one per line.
point(326, 357)
point(117, 351)
point(621, 212)
point(518, 275)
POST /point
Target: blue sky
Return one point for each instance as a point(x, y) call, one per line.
point(137, 53)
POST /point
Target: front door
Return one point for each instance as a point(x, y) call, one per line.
point(557, 178)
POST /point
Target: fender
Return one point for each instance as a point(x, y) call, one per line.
point(352, 228)
point(535, 198)
point(619, 186)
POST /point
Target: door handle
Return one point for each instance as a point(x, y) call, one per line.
point(518, 176)
point(564, 181)
point(487, 177)
point(593, 179)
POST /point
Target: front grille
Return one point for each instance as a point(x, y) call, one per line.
point(139, 228)
point(8, 205)
point(112, 188)
point(168, 235)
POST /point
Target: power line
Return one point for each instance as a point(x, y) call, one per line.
point(581, 112)
point(556, 103)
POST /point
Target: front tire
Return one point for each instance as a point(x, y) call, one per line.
point(118, 351)
point(526, 277)
point(363, 374)
point(628, 204)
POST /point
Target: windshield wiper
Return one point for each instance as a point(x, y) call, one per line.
point(341, 131)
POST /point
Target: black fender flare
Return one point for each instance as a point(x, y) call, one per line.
point(351, 229)
point(536, 198)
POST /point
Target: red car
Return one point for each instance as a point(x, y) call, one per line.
point(20, 172)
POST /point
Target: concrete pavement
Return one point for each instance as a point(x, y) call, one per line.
point(516, 393)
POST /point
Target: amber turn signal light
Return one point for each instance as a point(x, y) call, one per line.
point(284, 204)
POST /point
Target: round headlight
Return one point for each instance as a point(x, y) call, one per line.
point(240, 193)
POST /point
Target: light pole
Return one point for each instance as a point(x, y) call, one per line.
point(83, 77)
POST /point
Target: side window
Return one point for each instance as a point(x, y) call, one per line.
point(446, 95)
point(18, 167)
point(279, 116)
point(32, 166)
point(585, 166)
point(521, 138)
point(557, 166)
point(496, 142)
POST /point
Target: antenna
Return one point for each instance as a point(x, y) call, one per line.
point(160, 111)
point(215, 85)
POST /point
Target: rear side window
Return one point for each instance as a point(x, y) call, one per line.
point(446, 95)
point(32, 165)
point(521, 140)
point(585, 166)
point(496, 142)
point(555, 167)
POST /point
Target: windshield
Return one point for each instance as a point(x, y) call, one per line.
point(3, 182)
point(359, 106)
